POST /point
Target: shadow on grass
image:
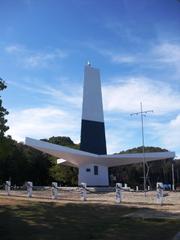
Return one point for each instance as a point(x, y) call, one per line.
point(45, 221)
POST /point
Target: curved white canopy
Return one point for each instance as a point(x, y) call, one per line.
point(77, 158)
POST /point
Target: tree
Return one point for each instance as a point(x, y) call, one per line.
point(63, 141)
point(4, 143)
point(66, 175)
point(3, 113)
point(132, 174)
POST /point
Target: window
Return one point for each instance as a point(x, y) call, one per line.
point(88, 169)
point(95, 170)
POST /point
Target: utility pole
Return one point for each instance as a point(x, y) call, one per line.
point(143, 114)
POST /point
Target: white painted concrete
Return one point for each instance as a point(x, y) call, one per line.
point(80, 158)
point(102, 179)
point(54, 190)
point(83, 192)
point(119, 190)
point(92, 96)
point(8, 187)
point(29, 189)
point(159, 192)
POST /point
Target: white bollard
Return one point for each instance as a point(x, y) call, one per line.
point(159, 192)
point(148, 188)
point(83, 194)
point(8, 187)
point(137, 188)
point(118, 192)
point(29, 189)
point(125, 185)
point(54, 190)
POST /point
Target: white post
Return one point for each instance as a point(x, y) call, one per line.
point(137, 188)
point(83, 194)
point(8, 187)
point(29, 189)
point(125, 185)
point(159, 192)
point(118, 192)
point(173, 180)
point(54, 190)
point(148, 188)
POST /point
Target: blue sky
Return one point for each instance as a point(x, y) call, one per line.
point(45, 44)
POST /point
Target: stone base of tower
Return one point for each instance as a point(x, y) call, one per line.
point(93, 175)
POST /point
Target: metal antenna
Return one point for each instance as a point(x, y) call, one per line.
point(143, 114)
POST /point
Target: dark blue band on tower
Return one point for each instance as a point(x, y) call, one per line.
point(93, 137)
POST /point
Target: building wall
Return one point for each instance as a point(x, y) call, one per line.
point(86, 175)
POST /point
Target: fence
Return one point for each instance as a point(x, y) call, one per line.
point(116, 195)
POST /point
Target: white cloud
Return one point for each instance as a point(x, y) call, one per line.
point(164, 55)
point(169, 133)
point(168, 53)
point(114, 143)
point(62, 93)
point(43, 59)
point(51, 121)
point(117, 57)
point(32, 58)
point(123, 59)
point(14, 49)
point(126, 96)
point(118, 138)
point(42, 123)
point(71, 95)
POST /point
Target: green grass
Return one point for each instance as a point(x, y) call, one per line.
point(50, 221)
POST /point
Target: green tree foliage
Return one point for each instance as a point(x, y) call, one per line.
point(133, 174)
point(17, 161)
point(66, 175)
point(64, 141)
point(3, 113)
point(22, 163)
point(4, 146)
point(147, 149)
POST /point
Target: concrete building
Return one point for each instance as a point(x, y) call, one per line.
point(92, 159)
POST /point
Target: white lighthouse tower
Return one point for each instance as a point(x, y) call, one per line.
point(93, 138)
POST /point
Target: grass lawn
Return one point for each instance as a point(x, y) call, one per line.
point(25, 220)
